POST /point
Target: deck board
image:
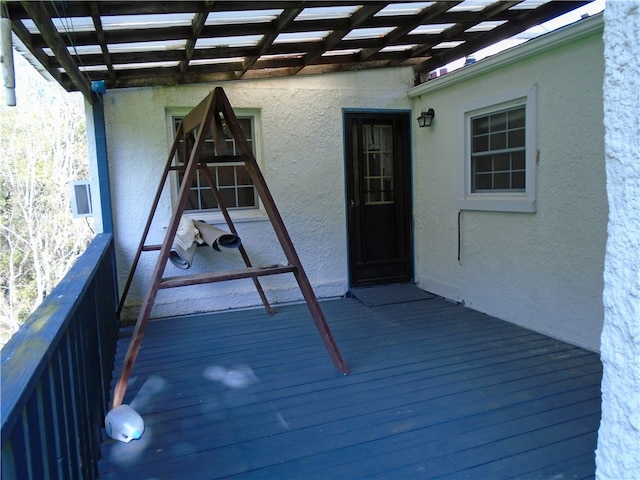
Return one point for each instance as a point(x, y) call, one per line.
point(436, 390)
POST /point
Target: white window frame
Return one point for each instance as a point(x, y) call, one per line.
point(242, 215)
point(500, 201)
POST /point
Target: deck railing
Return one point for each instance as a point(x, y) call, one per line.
point(56, 373)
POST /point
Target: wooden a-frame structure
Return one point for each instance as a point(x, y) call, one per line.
point(207, 121)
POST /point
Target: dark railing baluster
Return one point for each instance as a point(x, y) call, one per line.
point(48, 408)
point(56, 374)
point(57, 417)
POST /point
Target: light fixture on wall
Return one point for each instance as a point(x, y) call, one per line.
point(426, 118)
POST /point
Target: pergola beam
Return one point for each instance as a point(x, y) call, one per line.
point(106, 56)
point(284, 20)
point(334, 38)
point(41, 17)
point(526, 20)
point(197, 25)
point(429, 13)
point(158, 39)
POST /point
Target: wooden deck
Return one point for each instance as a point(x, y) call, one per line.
point(436, 391)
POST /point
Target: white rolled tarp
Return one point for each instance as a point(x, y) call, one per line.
point(182, 258)
point(216, 237)
point(184, 244)
point(190, 233)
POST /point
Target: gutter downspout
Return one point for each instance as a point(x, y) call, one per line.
point(102, 161)
point(97, 130)
point(8, 72)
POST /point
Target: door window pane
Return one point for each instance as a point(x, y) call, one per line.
point(378, 152)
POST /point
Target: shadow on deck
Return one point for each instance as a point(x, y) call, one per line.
point(436, 391)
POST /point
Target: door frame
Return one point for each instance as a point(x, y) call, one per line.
point(408, 184)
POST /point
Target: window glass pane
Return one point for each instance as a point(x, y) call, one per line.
point(498, 122)
point(208, 150)
point(201, 180)
point(180, 152)
point(245, 124)
point(516, 138)
point(193, 200)
point(502, 162)
point(389, 196)
point(480, 126)
point(386, 140)
point(517, 180)
point(242, 175)
point(387, 164)
point(207, 199)
point(226, 176)
point(481, 144)
point(371, 138)
point(374, 165)
point(501, 181)
point(483, 182)
point(498, 141)
point(228, 197)
point(483, 164)
point(516, 118)
point(230, 148)
point(374, 197)
point(517, 160)
point(371, 185)
point(246, 197)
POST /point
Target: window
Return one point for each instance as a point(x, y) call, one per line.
point(232, 179)
point(497, 151)
point(499, 163)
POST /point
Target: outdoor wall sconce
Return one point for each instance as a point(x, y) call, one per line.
point(426, 118)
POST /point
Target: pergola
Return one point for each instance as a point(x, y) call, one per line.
point(141, 43)
point(144, 43)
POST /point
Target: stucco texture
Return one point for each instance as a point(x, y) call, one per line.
point(618, 453)
point(541, 270)
point(299, 143)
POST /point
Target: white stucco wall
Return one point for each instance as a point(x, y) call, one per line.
point(300, 148)
point(618, 453)
point(542, 270)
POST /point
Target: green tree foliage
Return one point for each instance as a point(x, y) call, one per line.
point(42, 147)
